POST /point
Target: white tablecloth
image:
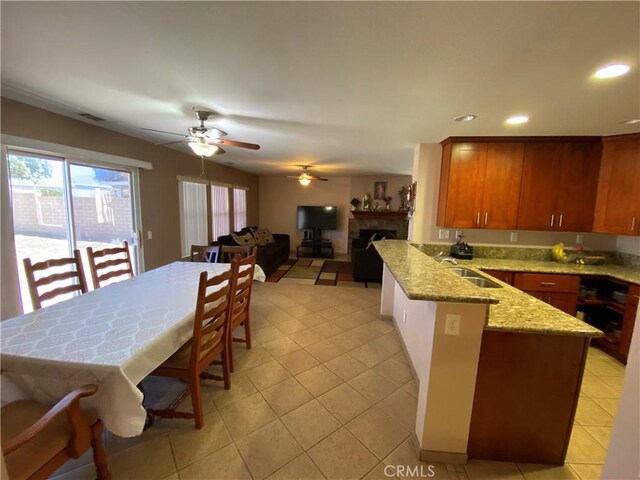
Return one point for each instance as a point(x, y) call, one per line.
point(113, 337)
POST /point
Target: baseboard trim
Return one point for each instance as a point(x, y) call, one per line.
point(443, 457)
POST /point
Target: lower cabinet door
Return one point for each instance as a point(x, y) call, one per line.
point(567, 302)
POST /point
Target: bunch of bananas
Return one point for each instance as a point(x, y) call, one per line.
point(557, 253)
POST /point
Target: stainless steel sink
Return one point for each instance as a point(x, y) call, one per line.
point(483, 282)
point(475, 278)
point(464, 272)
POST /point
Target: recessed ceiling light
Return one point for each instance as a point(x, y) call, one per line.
point(629, 121)
point(613, 70)
point(465, 118)
point(517, 119)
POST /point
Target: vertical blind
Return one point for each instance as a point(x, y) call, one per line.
point(193, 215)
point(219, 211)
point(239, 208)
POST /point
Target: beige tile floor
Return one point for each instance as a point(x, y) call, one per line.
point(326, 392)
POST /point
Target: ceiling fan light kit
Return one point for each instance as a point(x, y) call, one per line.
point(201, 148)
point(305, 178)
point(205, 142)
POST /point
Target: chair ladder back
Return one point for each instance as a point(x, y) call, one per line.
point(96, 264)
point(31, 269)
point(211, 323)
point(205, 253)
point(245, 268)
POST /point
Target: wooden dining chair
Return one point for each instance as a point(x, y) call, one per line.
point(38, 439)
point(210, 339)
point(241, 304)
point(38, 277)
point(205, 253)
point(229, 251)
point(102, 261)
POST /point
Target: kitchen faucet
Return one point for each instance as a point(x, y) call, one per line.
point(441, 259)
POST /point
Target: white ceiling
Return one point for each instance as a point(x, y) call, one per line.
point(347, 87)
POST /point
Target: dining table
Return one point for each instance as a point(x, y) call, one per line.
point(112, 337)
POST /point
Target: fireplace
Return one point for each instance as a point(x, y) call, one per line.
point(365, 227)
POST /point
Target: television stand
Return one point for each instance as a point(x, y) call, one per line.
point(315, 249)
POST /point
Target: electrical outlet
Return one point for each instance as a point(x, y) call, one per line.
point(579, 239)
point(514, 236)
point(458, 233)
point(443, 234)
point(452, 324)
point(149, 235)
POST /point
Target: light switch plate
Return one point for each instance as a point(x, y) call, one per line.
point(452, 324)
point(579, 239)
point(443, 234)
point(514, 236)
point(149, 235)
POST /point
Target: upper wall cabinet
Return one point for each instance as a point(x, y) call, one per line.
point(617, 207)
point(480, 184)
point(559, 184)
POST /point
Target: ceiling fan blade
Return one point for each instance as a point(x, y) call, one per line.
point(213, 133)
point(220, 151)
point(169, 143)
point(162, 131)
point(322, 179)
point(234, 143)
point(293, 176)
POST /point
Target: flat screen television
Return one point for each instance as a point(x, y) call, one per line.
point(317, 218)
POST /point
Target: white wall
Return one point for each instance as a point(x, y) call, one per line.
point(629, 245)
point(427, 173)
point(279, 198)
point(623, 461)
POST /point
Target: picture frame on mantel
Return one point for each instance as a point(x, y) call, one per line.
point(379, 190)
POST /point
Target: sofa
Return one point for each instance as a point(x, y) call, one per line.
point(270, 256)
point(365, 259)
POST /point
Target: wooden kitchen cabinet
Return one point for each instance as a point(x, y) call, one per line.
point(506, 277)
point(629, 320)
point(559, 183)
point(560, 291)
point(480, 184)
point(617, 208)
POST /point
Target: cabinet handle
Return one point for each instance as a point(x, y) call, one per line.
point(547, 284)
point(552, 217)
point(486, 217)
point(560, 222)
point(478, 218)
point(633, 223)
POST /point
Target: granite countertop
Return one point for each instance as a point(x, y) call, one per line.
point(617, 272)
point(422, 278)
point(512, 310)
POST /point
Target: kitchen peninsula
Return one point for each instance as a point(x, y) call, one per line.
point(499, 371)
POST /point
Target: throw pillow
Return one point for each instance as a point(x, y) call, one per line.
point(245, 240)
point(259, 236)
point(268, 238)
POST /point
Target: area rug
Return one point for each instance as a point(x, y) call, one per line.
point(312, 271)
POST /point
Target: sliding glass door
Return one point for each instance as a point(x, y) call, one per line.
point(102, 208)
point(59, 206)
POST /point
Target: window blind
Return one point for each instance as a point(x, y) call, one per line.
point(219, 211)
point(193, 215)
point(239, 208)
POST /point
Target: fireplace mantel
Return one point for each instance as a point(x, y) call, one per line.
point(379, 215)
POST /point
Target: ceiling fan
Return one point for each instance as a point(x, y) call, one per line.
point(305, 178)
point(204, 141)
